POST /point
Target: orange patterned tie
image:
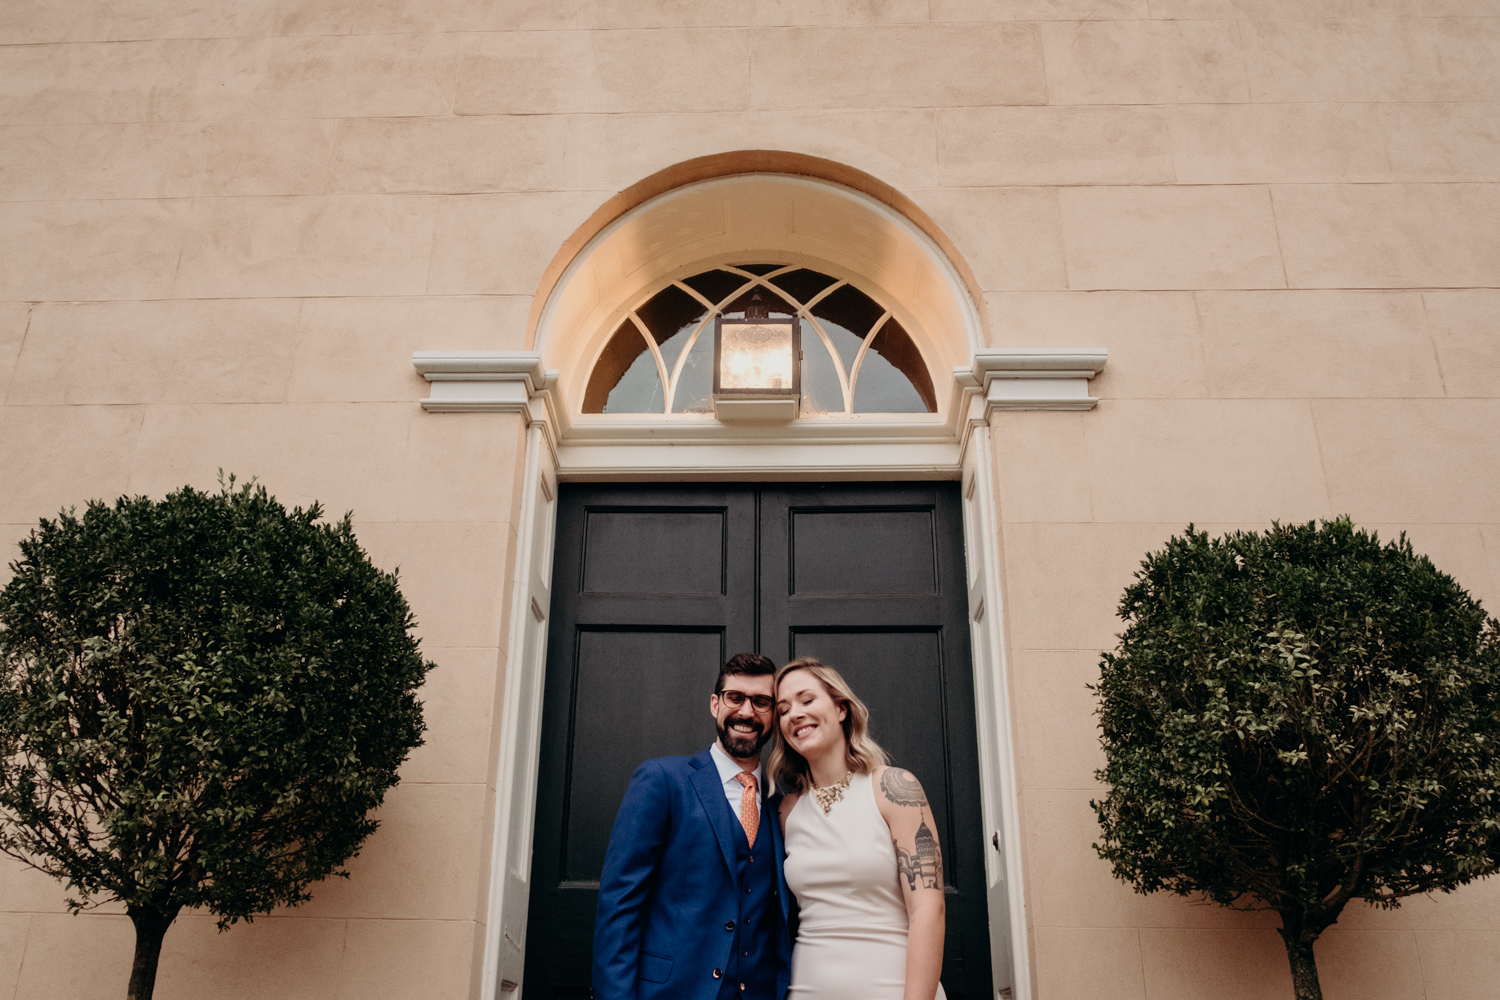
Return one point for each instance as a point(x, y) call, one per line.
point(749, 809)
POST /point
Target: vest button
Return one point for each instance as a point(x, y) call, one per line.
point(747, 889)
point(729, 925)
point(718, 973)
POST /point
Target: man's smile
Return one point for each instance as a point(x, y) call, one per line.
point(743, 736)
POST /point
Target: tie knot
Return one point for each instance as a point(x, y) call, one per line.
point(745, 778)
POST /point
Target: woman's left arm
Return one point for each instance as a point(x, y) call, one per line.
point(919, 867)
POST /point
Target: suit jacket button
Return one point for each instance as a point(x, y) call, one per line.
point(729, 925)
point(718, 973)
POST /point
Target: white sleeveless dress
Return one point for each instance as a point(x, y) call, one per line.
point(851, 944)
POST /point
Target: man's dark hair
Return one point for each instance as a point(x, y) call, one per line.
point(751, 664)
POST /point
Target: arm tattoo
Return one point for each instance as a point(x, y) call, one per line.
point(928, 859)
point(904, 866)
point(924, 865)
point(902, 787)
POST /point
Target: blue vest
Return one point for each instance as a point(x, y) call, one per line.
point(751, 971)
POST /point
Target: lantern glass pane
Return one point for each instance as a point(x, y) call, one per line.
point(756, 356)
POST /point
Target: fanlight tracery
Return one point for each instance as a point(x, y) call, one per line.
point(856, 357)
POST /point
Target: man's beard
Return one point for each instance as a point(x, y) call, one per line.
point(739, 744)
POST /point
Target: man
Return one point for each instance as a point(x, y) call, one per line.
point(692, 902)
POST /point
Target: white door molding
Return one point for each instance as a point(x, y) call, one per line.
point(520, 725)
point(999, 798)
point(681, 447)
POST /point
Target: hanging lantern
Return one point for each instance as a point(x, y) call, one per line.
point(757, 366)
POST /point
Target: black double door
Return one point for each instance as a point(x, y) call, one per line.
point(656, 585)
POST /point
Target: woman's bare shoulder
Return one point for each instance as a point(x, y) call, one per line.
point(899, 786)
point(788, 803)
point(896, 787)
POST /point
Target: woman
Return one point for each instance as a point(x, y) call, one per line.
point(860, 856)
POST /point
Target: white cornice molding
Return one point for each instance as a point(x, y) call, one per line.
point(634, 445)
point(483, 381)
point(481, 366)
point(492, 382)
point(1026, 378)
point(1032, 362)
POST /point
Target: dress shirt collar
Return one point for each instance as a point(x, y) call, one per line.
point(729, 767)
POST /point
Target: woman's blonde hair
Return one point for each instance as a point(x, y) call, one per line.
point(863, 754)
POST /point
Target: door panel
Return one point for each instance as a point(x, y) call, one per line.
point(677, 551)
point(655, 585)
point(862, 551)
point(638, 631)
point(627, 683)
point(902, 642)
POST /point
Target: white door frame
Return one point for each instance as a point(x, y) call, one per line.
point(513, 382)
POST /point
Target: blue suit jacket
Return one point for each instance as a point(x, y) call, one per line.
point(668, 887)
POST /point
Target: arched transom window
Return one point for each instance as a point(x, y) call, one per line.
point(856, 357)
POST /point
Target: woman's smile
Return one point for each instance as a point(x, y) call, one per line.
point(810, 718)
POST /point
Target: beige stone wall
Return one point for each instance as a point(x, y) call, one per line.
point(225, 226)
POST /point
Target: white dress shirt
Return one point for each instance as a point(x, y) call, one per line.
point(728, 768)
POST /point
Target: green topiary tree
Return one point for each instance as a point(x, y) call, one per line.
point(201, 700)
point(1299, 718)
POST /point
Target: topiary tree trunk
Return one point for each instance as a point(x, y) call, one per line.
point(1299, 937)
point(151, 925)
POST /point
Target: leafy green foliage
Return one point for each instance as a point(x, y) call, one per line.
point(201, 700)
point(1296, 718)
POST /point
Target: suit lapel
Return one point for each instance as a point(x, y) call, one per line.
point(711, 793)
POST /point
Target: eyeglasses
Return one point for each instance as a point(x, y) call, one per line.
point(735, 699)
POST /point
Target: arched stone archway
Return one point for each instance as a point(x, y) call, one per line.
point(644, 198)
point(774, 216)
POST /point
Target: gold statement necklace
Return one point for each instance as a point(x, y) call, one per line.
point(826, 797)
